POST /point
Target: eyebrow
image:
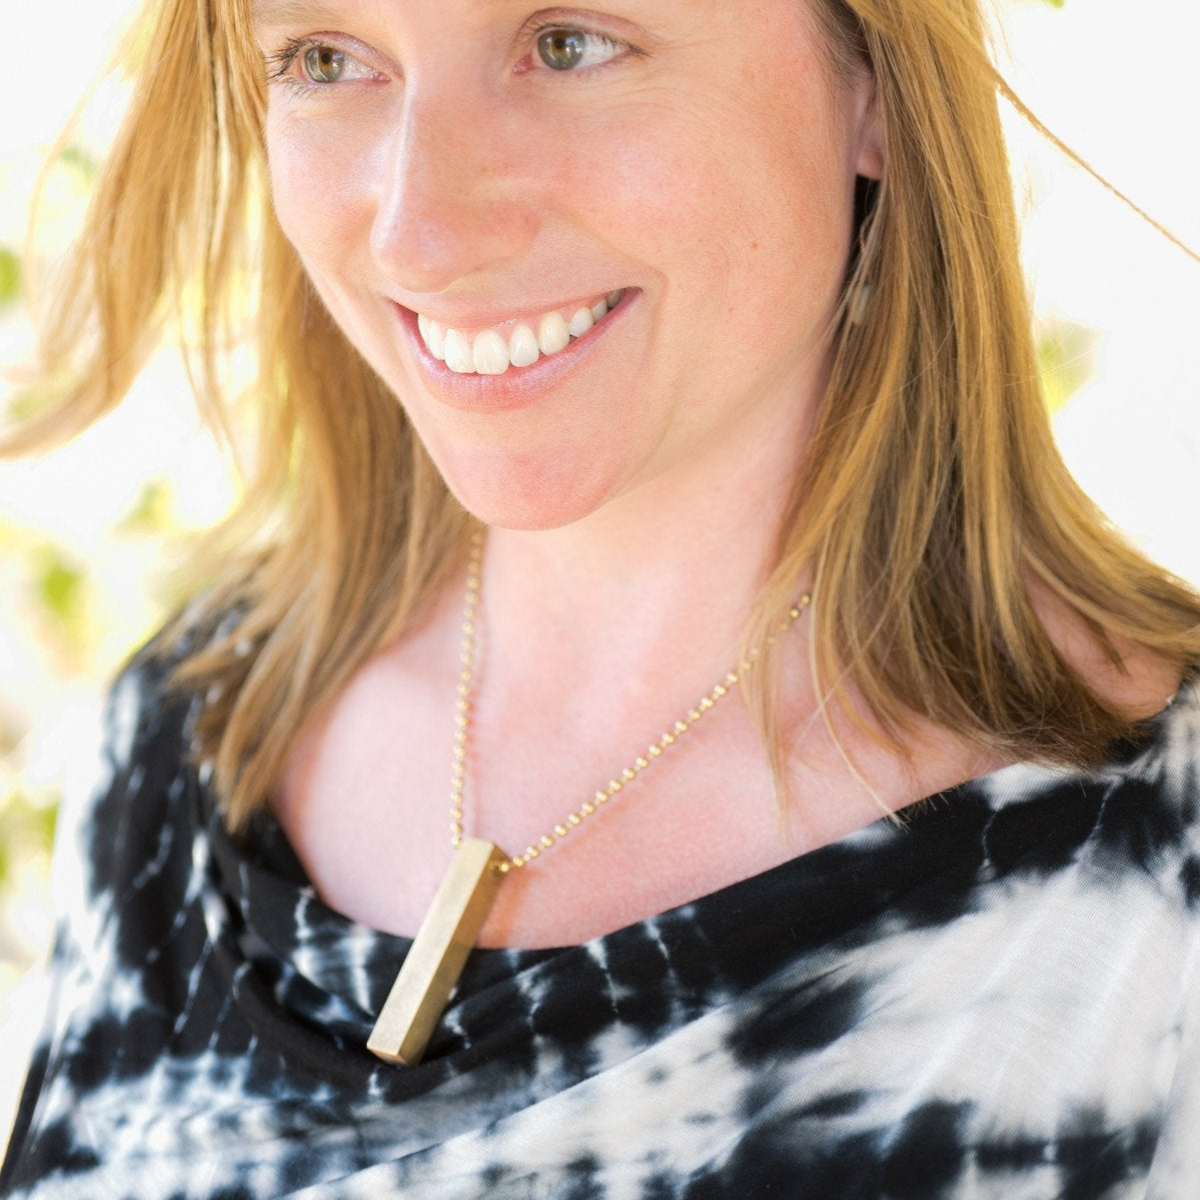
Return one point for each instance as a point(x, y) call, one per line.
point(289, 12)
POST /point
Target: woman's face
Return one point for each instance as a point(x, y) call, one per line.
point(467, 178)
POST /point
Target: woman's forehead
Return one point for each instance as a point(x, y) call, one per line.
point(650, 23)
point(480, 11)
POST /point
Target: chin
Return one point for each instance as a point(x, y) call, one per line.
point(512, 495)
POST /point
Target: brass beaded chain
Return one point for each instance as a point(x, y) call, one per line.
point(462, 722)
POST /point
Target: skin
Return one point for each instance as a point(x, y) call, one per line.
point(706, 164)
point(459, 177)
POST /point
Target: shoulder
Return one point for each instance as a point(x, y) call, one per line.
point(135, 783)
point(1128, 826)
point(1129, 678)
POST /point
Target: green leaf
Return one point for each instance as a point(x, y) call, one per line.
point(10, 276)
point(79, 160)
point(152, 511)
point(25, 405)
point(1065, 359)
point(60, 586)
point(26, 829)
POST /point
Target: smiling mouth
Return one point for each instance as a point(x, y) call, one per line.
point(512, 344)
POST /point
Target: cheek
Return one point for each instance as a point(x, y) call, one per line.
point(323, 193)
point(735, 207)
point(320, 189)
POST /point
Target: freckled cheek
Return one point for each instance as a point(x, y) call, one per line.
point(729, 216)
point(649, 193)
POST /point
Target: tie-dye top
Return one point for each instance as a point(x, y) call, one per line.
point(997, 998)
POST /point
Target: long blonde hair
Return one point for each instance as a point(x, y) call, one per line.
point(930, 501)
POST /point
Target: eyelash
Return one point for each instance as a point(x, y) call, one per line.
point(281, 62)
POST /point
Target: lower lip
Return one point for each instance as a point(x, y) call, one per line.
point(518, 386)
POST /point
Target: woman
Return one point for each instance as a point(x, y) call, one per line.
point(727, 350)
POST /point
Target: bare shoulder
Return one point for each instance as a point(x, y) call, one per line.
point(1133, 679)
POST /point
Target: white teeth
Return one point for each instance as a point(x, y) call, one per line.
point(458, 353)
point(434, 335)
point(581, 322)
point(491, 353)
point(553, 334)
point(523, 347)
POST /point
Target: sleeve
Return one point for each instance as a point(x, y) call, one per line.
point(96, 822)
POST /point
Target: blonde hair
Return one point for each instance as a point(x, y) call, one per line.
point(931, 499)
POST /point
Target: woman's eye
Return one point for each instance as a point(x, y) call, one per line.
point(305, 65)
point(567, 49)
point(323, 64)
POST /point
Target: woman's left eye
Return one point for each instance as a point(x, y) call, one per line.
point(567, 49)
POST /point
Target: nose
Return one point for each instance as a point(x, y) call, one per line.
point(452, 202)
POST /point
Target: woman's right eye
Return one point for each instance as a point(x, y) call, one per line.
point(305, 65)
point(323, 64)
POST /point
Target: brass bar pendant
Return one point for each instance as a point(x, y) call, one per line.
point(438, 954)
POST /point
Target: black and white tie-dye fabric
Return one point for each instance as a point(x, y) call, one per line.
point(1000, 999)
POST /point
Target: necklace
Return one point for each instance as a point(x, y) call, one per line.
point(465, 896)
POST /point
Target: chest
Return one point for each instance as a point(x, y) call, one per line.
point(366, 803)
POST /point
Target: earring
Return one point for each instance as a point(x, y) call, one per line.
point(859, 300)
point(860, 304)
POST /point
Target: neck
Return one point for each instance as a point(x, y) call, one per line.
point(670, 569)
point(624, 585)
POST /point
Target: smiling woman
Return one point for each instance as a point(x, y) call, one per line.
point(650, 477)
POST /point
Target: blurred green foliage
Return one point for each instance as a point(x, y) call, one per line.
point(60, 587)
point(1066, 356)
point(26, 830)
point(53, 588)
point(152, 513)
point(10, 277)
point(81, 162)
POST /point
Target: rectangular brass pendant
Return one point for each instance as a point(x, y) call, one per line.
point(438, 954)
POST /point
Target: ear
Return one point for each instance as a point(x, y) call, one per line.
point(871, 137)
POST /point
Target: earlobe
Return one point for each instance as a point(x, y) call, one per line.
point(872, 140)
